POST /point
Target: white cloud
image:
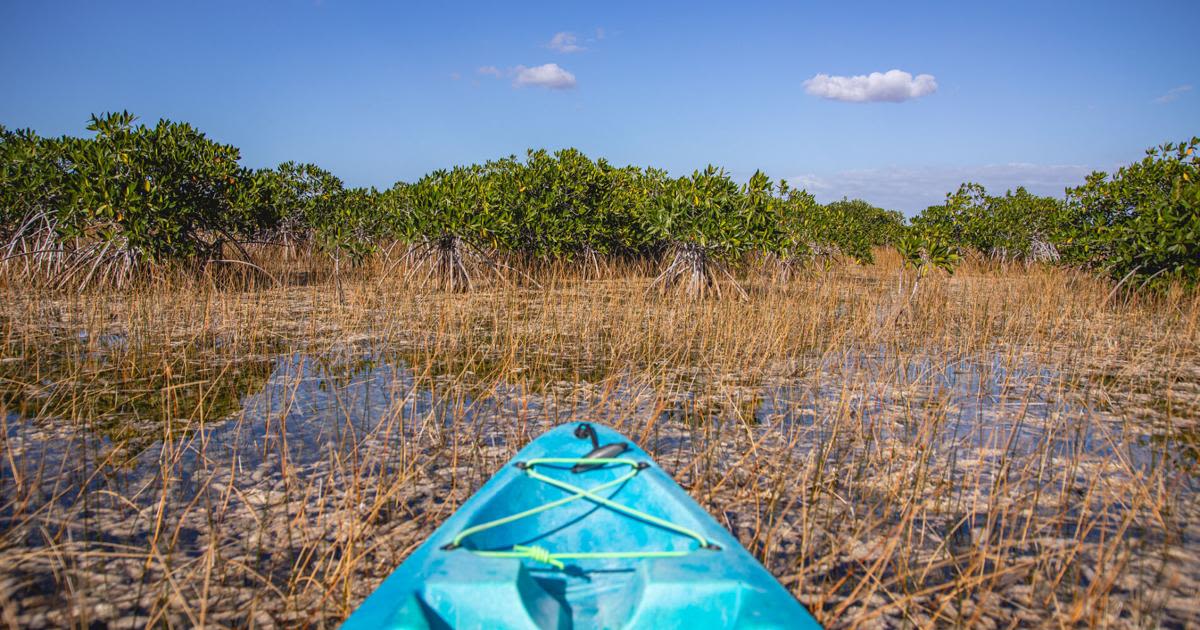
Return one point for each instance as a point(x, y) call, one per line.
point(492, 70)
point(894, 86)
point(564, 42)
point(911, 190)
point(600, 33)
point(548, 75)
point(1173, 94)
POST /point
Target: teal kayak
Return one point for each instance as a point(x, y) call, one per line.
point(580, 530)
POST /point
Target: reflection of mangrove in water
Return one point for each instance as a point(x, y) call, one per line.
point(313, 405)
point(302, 407)
point(131, 402)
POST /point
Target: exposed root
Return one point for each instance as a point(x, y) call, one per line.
point(693, 272)
point(1042, 250)
point(450, 263)
point(593, 265)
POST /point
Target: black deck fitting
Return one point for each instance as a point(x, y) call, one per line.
point(585, 430)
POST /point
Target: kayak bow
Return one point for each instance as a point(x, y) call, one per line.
point(563, 538)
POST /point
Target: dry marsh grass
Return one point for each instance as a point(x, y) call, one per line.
point(1014, 447)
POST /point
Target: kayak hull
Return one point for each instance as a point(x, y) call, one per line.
point(442, 585)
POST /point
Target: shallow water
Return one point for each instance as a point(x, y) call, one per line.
point(998, 403)
point(309, 408)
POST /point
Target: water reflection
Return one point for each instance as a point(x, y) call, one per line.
point(308, 408)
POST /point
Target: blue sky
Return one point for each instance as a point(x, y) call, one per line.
point(1035, 93)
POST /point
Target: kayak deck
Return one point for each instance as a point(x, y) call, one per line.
point(621, 546)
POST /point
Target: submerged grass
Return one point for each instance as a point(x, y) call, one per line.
point(1014, 445)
